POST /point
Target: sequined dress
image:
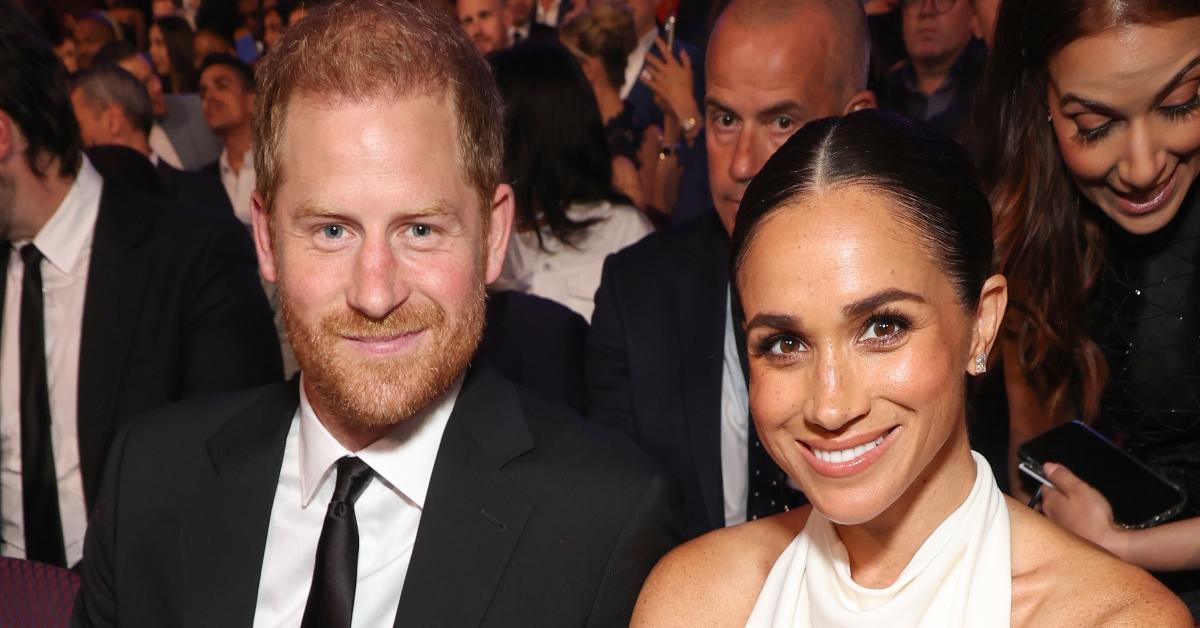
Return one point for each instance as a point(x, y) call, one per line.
point(1145, 315)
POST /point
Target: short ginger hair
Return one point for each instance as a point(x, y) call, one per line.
point(360, 50)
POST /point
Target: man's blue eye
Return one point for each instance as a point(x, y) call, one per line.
point(334, 232)
point(421, 231)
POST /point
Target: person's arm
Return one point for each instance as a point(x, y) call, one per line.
point(671, 80)
point(609, 387)
point(628, 181)
point(230, 341)
point(652, 530)
point(1081, 509)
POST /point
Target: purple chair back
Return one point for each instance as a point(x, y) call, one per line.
point(36, 594)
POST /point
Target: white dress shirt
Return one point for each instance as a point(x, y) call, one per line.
point(547, 16)
point(637, 58)
point(160, 144)
point(735, 426)
point(518, 34)
point(388, 513)
point(570, 274)
point(66, 243)
point(238, 185)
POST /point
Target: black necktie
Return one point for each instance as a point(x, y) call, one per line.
point(39, 485)
point(767, 490)
point(331, 596)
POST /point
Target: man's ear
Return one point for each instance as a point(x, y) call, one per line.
point(499, 228)
point(112, 119)
point(862, 100)
point(264, 246)
point(8, 140)
point(989, 316)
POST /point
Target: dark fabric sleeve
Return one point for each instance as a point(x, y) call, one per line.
point(229, 331)
point(609, 388)
point(651, 531)
point(96, 603)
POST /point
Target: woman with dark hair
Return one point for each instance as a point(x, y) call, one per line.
point(1088, 140)
point(172, 53)
point(569, 216)
point(862, 256)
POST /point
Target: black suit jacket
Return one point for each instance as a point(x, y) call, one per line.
point(173, 309)
point(201, 188)
point(533, 517)
point(536, 343)
point(134, 171)
point(655, 356)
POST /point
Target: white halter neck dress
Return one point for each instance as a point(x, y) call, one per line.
point(961, 575)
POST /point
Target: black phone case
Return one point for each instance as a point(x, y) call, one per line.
point(1095, 459)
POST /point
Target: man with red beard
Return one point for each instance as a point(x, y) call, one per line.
point(394, 483)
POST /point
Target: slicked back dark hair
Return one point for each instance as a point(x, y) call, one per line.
point(935, 190)
point(33, 92)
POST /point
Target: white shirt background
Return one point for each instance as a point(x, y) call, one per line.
point(160, 144)
point(547, 16)
point(637, 58)
point(388, 513)
point(238, 185)
point(570, 274)
point(66, 243)
point(735, 426)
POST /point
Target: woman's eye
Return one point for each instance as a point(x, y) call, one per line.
point(333, 232)
point(786, 345)
point(883, 329)
point(421, 230)
point(1182, 95)
point(1091, 122)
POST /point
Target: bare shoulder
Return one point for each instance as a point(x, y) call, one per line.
point(1060, 579)
point(714, 580)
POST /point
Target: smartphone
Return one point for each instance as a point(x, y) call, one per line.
point(670, 28)
point(1037, 473)
point(1139, 497)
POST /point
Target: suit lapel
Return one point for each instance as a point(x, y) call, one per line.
point(701, 294)
point(224, 532)
point(116, 284)
point(473, 515)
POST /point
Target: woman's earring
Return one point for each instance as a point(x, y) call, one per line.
point(1049, 117)
point(981, 364)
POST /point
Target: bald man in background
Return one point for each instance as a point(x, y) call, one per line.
point(664, 359)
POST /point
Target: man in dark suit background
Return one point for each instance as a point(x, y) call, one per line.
point(455, 498)
point(522, 27)
point(113, 304)
point(665, 361)
point(114, 109)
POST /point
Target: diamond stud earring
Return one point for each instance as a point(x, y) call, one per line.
point(981, 364)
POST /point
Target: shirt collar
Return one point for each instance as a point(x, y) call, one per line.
point(547, 16)
point(68, 233)
point(247, 160)
point(637, 59)
point(403, 458)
